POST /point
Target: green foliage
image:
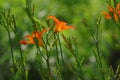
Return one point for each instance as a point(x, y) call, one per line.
point(80, 54)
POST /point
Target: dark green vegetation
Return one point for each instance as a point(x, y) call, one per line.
point(88, 52)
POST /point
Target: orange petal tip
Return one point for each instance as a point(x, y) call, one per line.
point(23, 42)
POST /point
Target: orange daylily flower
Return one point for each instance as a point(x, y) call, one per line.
point(115, 12)
point(35, 35)
point(60, 25)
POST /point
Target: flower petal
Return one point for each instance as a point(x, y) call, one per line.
point(30, 39)
point(110, 9)
point(23, 42)
point(68, 27)
point(116, 17)
point(54, 18)
point(107, 15)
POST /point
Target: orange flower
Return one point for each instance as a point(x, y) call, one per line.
point(35, 36)
point(60, 25)
point(115, 12)
point(107, 15)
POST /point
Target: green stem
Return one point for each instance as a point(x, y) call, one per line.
point(49, 70)
point(57, 51)
point(61, 55)
point(114, 3)
point(20, 50)
point(79, 65)
point(40, 51)
point(98, 53)
point(80, 70)
point(48, 57)
point(22, 59)
point(61, 50)
point(39, 61)
point(10, 41)
point(58, 62)
point(21, 53)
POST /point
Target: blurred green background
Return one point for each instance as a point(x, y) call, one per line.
point(71, 11)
